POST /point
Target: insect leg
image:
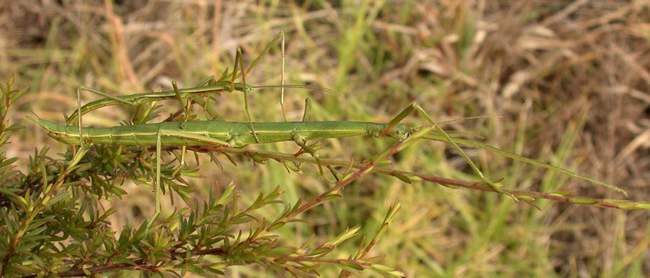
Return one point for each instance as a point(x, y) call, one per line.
point(158, 187)
point(186, 110)
point(415, 107)
point(79, 113)
point(302, 142)
point(222, 78)
point(208, 81)
point(184, 105)
point(305, 115)
point(243, 78)
point(208, 110)
point(104, 94)
point(179, 134)
point(194, 137)
point(265, 50)
point(96, 92)
point(282, 79)
point(259, 57)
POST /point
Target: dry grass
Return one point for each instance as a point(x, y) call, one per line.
point(569, 80)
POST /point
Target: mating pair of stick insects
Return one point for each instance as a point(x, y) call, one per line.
point(188, 133)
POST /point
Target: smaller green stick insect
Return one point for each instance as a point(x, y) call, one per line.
point(213, 86)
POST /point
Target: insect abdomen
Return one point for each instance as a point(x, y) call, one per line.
point(238, 133)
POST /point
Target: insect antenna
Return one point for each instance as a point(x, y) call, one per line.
point(307, 87)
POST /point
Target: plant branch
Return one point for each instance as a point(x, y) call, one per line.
point(413, 177)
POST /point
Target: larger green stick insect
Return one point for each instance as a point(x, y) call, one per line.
point(235, 134)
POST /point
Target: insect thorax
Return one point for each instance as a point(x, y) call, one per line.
point(399, 132)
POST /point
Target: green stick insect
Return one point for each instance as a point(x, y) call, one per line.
point(208, 86)
point(236, 134)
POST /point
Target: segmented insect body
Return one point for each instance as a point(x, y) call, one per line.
point(137, 99)
point(236, 134)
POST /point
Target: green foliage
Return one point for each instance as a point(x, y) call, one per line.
point(51, 221)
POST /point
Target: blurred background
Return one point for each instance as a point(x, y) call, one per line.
point(565, 82)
